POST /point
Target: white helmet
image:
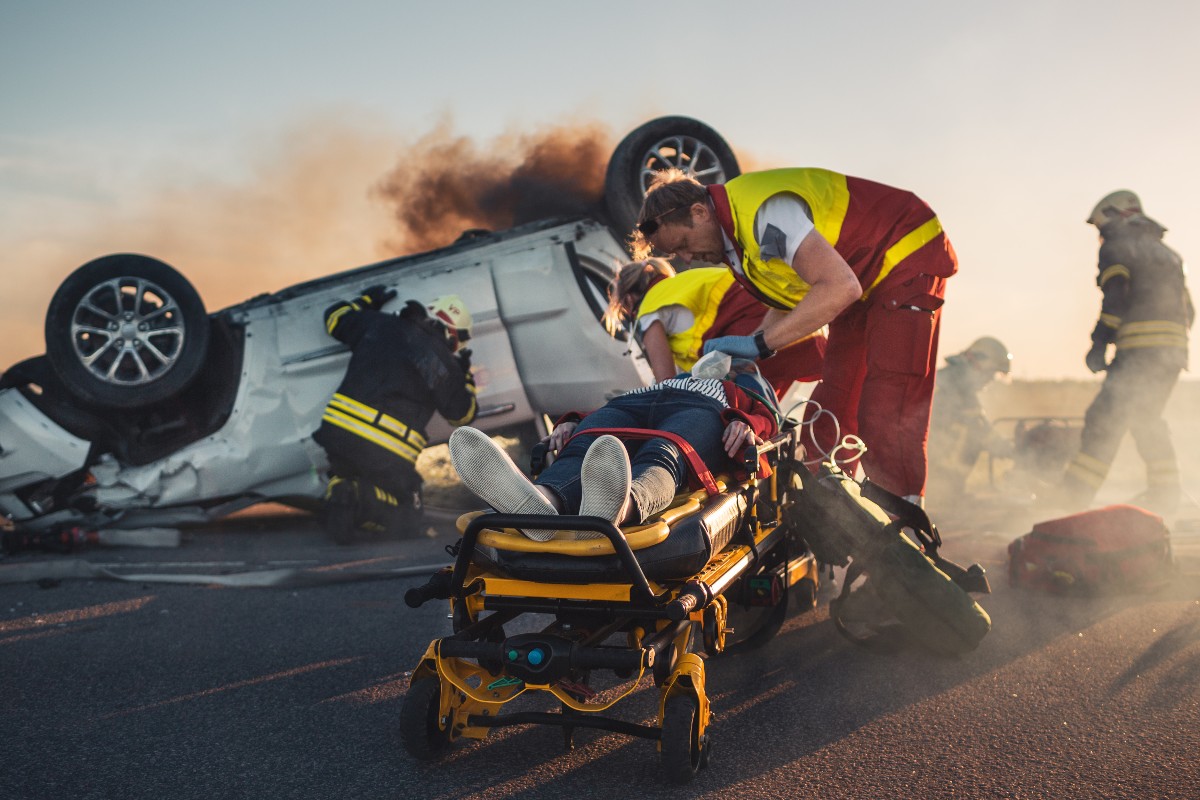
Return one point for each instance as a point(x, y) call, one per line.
point(1121, 204)
point(452, 312)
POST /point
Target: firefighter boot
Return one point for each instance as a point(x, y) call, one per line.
point(341, 510)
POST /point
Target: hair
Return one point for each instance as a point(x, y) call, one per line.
point(668, 199)
point(629, 286)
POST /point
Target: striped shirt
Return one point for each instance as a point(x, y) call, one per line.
point(709, 387)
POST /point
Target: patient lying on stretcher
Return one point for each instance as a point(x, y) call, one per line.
point(628, 481)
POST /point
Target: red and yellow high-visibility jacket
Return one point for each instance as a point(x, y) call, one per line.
point(874, 227)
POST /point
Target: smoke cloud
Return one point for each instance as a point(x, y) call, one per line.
point(445, 184)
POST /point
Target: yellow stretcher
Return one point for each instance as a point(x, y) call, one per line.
point(710, 571)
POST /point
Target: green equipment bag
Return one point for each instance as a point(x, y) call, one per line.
point(894, 590)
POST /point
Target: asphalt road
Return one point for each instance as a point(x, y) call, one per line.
point(142, 689)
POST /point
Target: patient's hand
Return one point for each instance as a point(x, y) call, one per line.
point(737, 435)
point(560, 434)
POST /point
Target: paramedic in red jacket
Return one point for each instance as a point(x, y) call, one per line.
point(819, 247)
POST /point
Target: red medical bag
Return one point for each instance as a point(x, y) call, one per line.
point(1116, 547)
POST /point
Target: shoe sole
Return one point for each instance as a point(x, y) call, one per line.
point(491, 475)
point(605, 480)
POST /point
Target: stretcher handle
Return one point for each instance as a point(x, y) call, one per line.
point(690, 597)
point(640, 590)
point(582, 657)
point(436, 588)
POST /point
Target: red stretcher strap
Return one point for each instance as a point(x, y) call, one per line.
point(699, 468)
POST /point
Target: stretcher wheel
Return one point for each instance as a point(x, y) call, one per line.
point(805, 594)
point(682, 755)
point(420, 731)
point(753, 627)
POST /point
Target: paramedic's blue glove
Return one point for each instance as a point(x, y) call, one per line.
point(736, 346)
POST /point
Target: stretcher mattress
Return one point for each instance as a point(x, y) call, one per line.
point(690, 545)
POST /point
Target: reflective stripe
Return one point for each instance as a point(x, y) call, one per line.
point(1137, 342)
point(332, 320)
point(1152, 333)
point(1155, 326)
point(371, 434)
point(910, 243)
point(384, 497)
point(1112, 272)
point(1089, 470)
point(352, 406)
point(1162, 473)
point(374, 417)
point(470, 415)
point(1110, 321)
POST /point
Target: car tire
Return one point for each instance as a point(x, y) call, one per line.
point(680, 142)
point(126, 331)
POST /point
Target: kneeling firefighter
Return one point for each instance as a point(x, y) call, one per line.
point(403, 368)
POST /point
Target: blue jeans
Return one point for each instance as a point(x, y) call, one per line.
point(659, 468)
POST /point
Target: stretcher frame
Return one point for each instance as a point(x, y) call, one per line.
point(462, 682)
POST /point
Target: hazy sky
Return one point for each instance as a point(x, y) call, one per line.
point(240, 141)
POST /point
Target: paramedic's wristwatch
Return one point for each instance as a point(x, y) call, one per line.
point(760, 341)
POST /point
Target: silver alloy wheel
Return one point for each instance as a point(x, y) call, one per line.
point(127, 331)
point(686, 153)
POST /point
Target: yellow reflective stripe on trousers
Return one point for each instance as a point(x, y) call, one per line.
point(910, 243)
point(374, 417)
point(1089, 470)
point(1164, 472)
point(352, 406)
point(371, 434)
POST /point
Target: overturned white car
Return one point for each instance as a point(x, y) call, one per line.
point(146, 409)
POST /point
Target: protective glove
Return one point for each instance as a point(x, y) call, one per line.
point(464, 359)
point(1097, 357)
point(377, 296)
point(736, 346)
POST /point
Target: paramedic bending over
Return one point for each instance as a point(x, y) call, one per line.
point(626, 482)
point(869, 260)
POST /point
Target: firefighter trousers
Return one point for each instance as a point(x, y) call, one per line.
point(1132, 398)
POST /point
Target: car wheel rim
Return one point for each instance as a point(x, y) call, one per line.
point(127, 331)
point(686, 153)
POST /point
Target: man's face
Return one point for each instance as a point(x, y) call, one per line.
point(698, 239)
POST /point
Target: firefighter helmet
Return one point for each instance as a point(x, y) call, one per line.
point(1121, 204)
point(989, 354)
point(452, 313)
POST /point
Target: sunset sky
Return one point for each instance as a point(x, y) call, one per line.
point(244, 143)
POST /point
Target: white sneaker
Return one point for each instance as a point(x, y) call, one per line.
point(605, 481)
point(492, 476)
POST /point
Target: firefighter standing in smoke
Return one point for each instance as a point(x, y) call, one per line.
point(403, 368)
point(959, 430)
point(1146, 314)
point(819, 247)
